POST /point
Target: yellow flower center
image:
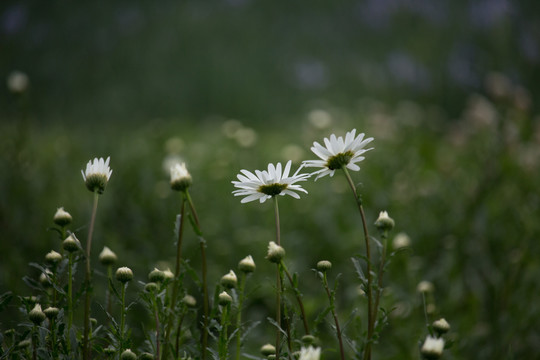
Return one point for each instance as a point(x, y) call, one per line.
point(339, 160)
point(272, 189)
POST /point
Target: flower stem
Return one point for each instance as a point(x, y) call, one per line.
point(176, 281)
point(70, 296)
point(156, 316)
point(223, 333)
point(122, 317)
point(298, 296)
point(336, 321)
point(88, 283)
point(371, 310)
point(202, 242)
point(278, 281)
point(241, 284)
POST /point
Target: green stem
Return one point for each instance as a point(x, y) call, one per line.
point(334, 315)
point(176, 281)
point(204, 334)
point(108, 291)
point(70, 295)
point(278, 281)
point(156, 316)
point(239, 315)
point(371, 315)
point(34, 341)
point(381, 272)
point(88, 283)
point(122, 316)
point(223, 333)
point(298, 296)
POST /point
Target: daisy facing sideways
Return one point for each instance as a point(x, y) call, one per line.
point(265, 184)
point(338, 153)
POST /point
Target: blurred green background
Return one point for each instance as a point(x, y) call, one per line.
point(448, 89)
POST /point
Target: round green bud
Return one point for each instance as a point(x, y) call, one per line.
point(229, 280)
point(146, 356)
point(53, 257)
point(324, 265)
point(384, 222)
point(268, 349)
point(93, 322)
point(124, 274)
point(432, 348)
point(36, 315)
point(109, 350)
point(308, 339)
point(24, 344)
point(156, 275)
point(441, 326)
point(71, 243)
point(275, 252)
point(45, 279)
point(168, 274)
point(62, 218)
point(247, 265)
point(151, 287)
point(51, 312)
point(224, 298)
point(107, 257)
point(190, 301)
point(128, 355)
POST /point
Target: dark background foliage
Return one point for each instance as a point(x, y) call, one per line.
point(448, 89)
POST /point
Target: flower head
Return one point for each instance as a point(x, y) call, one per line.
point(338, 153)
point(97, 174)
point(432, 348)
point(180, 177)
point(36, 315)
point(107, 256)
point(275, 252)
point(266, 184)
point(62, 217)
point(384, 222)
point(229, 280)
point(247, 264)
point(310, 353)
point(124, 274)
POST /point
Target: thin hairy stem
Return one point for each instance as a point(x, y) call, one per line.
point(88, 283)
point(206, 307)
point(334, 315)
point(381, 273)
point(176, 281)
point(278, 281)
point(241, 284)
point(123, 317)
point(298, 296)
point(371, 322)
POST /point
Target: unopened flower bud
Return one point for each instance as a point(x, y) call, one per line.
point(51, 312)
point(150, 287)
point(432, 348)
point(24, 344)
point(401, 241)
point(324, 265)
point(53, 257)
point(441, 326)
point(36, 315)
point(229, 280)
point(190, 301)
point(45, 279)
point(247, 265)
point(62, 218)
point(124, 274)
point(384, 222)
point(268, 349)
point(168, 274)
point(156, 275)
point(146, 356)
point(107, 257)
point(71, 243)
point(128, 355)
point(275, 252)
point(224, 298)
point(180, 177)
point(425, 287)
point(308, 339)
point(17, 82)
point(97, 174)
point(109, 350)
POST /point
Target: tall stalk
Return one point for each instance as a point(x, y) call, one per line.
point(88, 283)
point(278, 281)
point(371, 310)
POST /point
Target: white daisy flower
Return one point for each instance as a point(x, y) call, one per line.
point(310, 353)
point(338, 153)
point(97, 174)
point(263, 185)
point(180, 177)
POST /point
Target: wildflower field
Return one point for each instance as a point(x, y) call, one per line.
point(384, 225)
